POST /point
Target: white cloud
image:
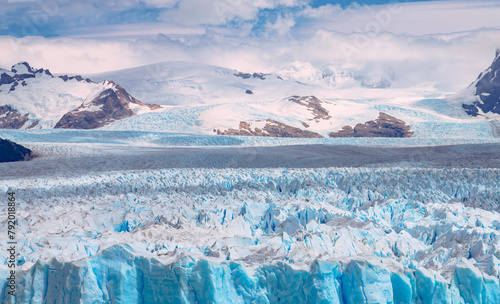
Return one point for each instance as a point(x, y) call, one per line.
point(414, 18)
point(196, 12)
point(281, 26)
point(161, 3)
point(317, 38)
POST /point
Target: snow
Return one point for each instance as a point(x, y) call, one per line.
point(204, 98)
point(91, 108)
point(214, 98)
point(21, 68)
point(48, 99)
point(200, 98)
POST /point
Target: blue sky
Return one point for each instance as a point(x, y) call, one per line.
point(447, 42)
point(344, 3)
point(52, 18)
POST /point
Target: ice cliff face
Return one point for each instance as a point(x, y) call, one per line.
point(260, 236)
point(117, 275)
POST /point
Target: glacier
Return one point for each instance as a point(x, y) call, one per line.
point(250, 235)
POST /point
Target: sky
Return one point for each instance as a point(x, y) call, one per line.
point(445, 43)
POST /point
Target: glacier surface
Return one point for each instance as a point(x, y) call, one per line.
point(273, 235)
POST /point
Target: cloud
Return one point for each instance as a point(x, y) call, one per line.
point(207, 12)
point(51, 18)
point(414, 18)
point(406, 40)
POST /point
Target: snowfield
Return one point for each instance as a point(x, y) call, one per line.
point(144, 217)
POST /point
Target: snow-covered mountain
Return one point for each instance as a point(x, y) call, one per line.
point(224, 100)
point(34, 98)
point(482, 97)
point(205, 99)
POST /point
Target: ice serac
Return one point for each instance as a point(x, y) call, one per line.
point(120, 275)
point(486, 91)
point(352, 235)
point(110, 105)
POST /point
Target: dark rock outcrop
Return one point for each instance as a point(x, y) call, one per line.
point(10, 151)
point(243, 75)
point(11, 119)
point(272, 128)
point(6, 79)
point(261, 76)
point(77, 77)
point(487, 91)
point(313, 104)
point(30, 73)
point(384, 126)
point(111, 105)
point(22, 71)
point(13, 86)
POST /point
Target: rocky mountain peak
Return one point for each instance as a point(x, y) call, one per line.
point(21, 72)
point(110, 105)
point(486, 90)
point(23, 68)
point(18, 74)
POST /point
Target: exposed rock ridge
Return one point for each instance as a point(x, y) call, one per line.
point(260, 76)
point(383, 126)
point(22, 71)
point(313, 104)
point(110, 105)
point(487, 91)
point(10, 151)
point(272, 128)
point(11, 119)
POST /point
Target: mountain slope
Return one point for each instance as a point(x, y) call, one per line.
point(110, 105)
point(213, 100)
point(484, 93)
point(31, 98)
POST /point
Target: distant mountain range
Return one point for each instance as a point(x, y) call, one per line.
point(199, 98)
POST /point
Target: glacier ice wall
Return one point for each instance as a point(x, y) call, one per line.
point(395, 235)
point(119, 275)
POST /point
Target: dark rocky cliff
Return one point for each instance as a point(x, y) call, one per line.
point(10, 151)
